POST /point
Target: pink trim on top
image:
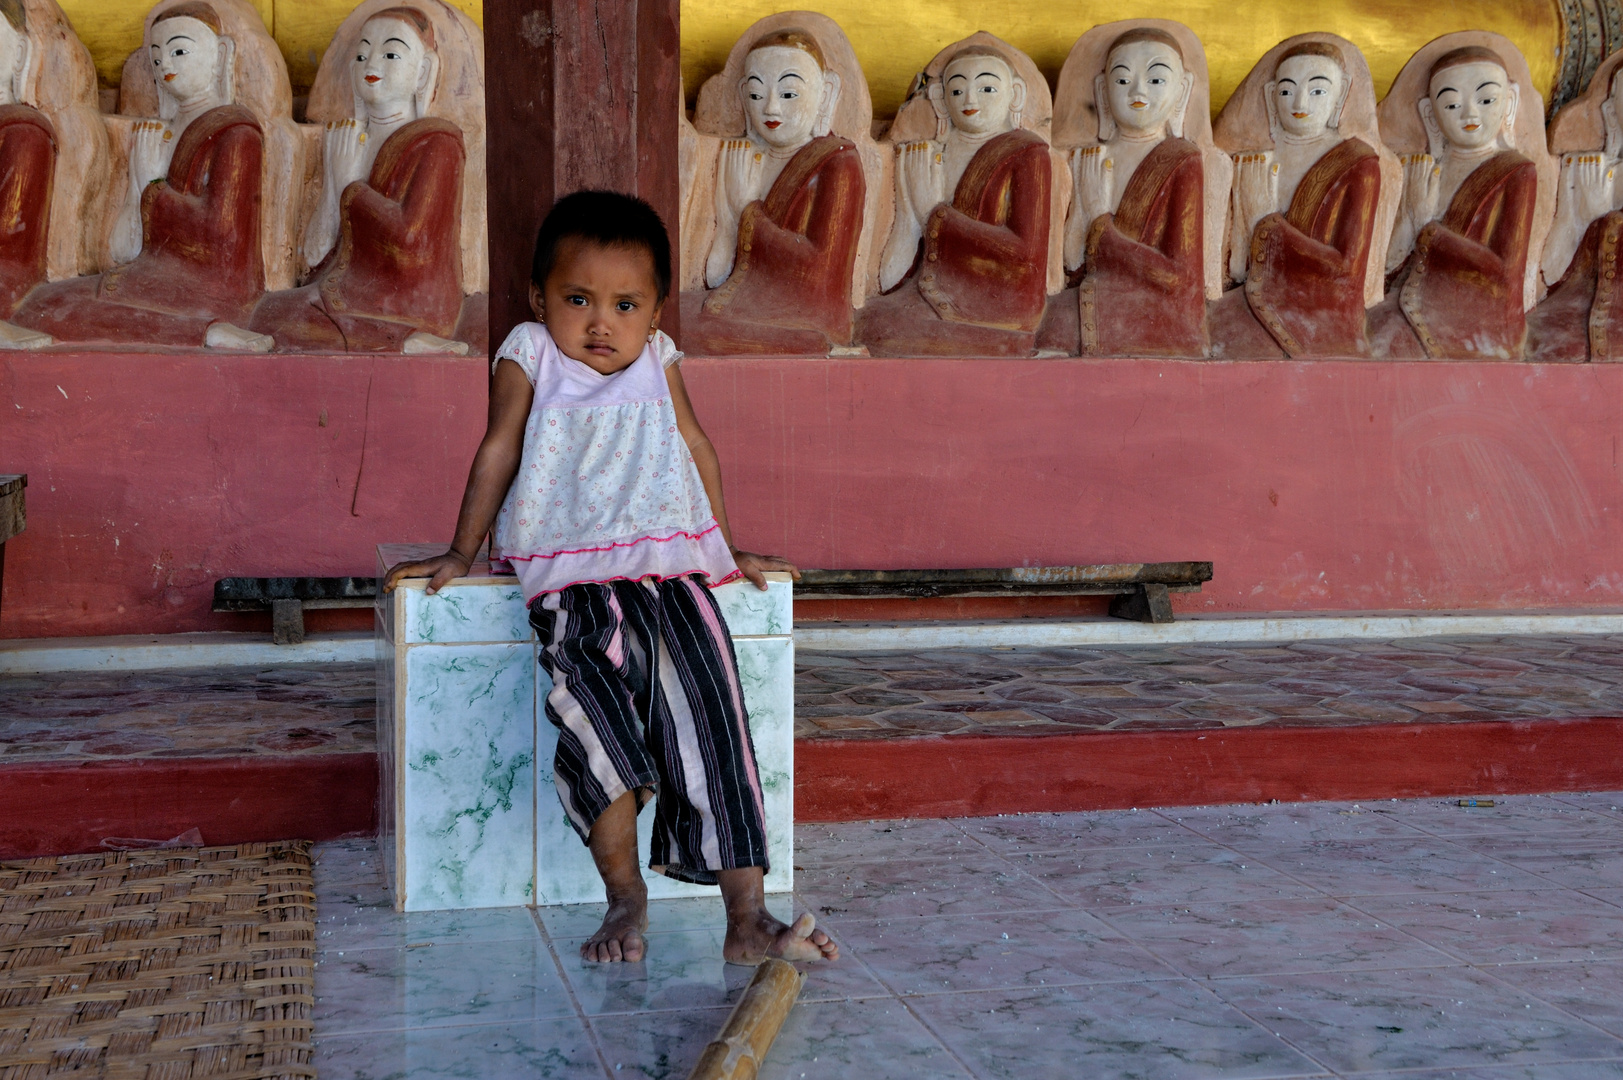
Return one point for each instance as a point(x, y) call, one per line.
point(734, 576)
point(679, 534)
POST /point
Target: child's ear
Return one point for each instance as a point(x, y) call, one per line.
point(538, 304)
point(658, 309)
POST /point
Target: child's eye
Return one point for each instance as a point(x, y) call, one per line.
point(625, 305)
point(577, 300)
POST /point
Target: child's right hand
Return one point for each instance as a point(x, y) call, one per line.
point(440, 570)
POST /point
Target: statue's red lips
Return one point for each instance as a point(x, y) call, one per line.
point(774, 124)
point(374, 78)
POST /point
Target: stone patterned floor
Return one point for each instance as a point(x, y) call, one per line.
point(1414, 940)
point(327, 709)
point(1179, 687)
point(213, 712)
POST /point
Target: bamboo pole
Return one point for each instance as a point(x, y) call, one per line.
point(737, 1051)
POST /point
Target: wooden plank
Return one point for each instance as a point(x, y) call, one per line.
point(1105, 580)
point(12, 517)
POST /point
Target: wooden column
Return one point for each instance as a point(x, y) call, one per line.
point(578, 94)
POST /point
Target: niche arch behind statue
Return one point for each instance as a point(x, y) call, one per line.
point(458, 97)
point(260, 84)
point(1243, 125)
point(718, 114)
point(1077, 121)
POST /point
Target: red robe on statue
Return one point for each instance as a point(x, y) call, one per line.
point(1581, 318)
point(1143, 290)
point(200, 258)
point(790, 290)
point(981, 284)
point(1459, 295)
point(27, 168)
point(1304, 290)
point(396, 268)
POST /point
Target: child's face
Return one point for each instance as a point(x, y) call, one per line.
point(600, 304)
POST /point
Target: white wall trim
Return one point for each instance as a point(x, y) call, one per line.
point(159, 651)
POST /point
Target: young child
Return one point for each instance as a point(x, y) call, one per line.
point(606, 496)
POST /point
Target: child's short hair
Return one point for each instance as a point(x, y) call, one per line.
point(609, 218)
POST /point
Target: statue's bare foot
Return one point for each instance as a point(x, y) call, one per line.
point(753, 939)
point(13, 336)
point(422, 343)
point(620, 936)
point(222, 335)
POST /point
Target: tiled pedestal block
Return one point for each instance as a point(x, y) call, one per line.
point(468, 816)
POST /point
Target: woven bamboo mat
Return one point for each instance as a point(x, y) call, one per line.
point(159, 965)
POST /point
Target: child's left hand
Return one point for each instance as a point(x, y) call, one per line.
point(755, 566)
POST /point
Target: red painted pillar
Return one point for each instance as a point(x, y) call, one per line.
point(578, 94)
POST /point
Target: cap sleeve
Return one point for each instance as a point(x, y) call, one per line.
point(668, 352)
point(521, 348)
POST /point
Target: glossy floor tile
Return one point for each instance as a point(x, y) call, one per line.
point(1417, 940)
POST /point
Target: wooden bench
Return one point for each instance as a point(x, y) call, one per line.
point(12, 518)
point(1139, 591)
point(287, 599)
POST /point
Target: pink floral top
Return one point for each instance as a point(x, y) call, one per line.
point(606, 489)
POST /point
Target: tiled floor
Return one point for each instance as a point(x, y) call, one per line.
point(236, 712)
point(325, 709)
point(1157, 688)
point(1409, 939)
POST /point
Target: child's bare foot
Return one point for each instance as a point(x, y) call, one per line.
point(613, 841)
point(754, 933)
point(621, 935)
point(752, 939)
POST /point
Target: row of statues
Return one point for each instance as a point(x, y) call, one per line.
point(1115, 218)
point(202, 215)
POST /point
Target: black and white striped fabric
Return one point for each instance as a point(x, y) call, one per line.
point(645, 695)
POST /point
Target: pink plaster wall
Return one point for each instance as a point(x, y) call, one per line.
point(1312, 486)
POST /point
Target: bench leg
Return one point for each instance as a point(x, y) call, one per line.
point(287, 622)
point(1146, 603)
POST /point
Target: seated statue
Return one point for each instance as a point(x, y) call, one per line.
point(969, 275)
point(188, 232)
point(27, 166)
point(1465, 228)
point(385, 242)
point(1136, 229)
point(1581, 318)
point(789, 200)
point(1305, 209)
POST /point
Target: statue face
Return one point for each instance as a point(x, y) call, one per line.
point(388, 65)
point(186, 58)
point(980, 94)
point(13, 47)
point(1144, 82)
point(1471, 102)
point(1307, 90)
point(783, 91)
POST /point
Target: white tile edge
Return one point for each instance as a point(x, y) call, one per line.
point(159, 651)
point(156, 651)
point(1081, 633)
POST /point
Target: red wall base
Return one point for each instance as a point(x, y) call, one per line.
point(59, 809)
point(967, 776)
point(64, 809)
point(1312, 486)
